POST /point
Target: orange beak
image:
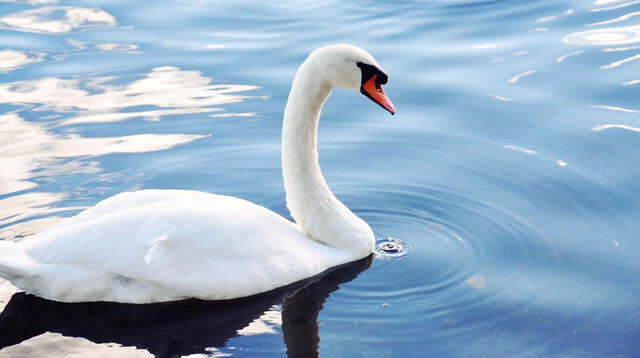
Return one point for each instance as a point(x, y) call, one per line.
point(374, 91)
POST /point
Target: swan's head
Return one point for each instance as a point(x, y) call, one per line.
point(351, 67)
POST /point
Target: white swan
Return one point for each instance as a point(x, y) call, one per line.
point(164, 245)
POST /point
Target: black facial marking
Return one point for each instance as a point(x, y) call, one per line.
point(369, 71)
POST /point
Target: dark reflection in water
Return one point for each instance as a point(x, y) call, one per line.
point(175, 329)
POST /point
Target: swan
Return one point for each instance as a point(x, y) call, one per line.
point(166, 245)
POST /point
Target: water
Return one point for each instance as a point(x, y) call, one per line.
point(511, 168)
point(391, 247)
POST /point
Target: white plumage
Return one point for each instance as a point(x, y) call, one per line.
point(163, 245)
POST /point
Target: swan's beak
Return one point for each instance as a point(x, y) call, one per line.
point(373, 89)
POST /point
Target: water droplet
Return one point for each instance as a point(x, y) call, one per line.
point(392, 247)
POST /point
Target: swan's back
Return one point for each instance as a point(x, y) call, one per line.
point(172, 244)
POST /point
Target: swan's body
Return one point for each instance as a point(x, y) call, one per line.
point(163, 245)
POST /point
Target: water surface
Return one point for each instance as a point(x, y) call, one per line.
point(511, 166)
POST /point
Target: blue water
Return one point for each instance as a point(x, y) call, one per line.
point(511, 167)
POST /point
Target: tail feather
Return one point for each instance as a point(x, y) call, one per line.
point(14, 262)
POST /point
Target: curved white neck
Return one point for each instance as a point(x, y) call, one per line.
point(312, 204)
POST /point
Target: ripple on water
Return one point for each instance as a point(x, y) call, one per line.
point(12, 59)
point(392, 248)
point(460, 247)
point(56, 19)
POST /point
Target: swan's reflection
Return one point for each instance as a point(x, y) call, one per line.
point(179, 328)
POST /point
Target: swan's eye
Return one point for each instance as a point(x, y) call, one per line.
point(378, 86)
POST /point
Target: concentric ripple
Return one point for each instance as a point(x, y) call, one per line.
point(392, 248)
point(460, 246)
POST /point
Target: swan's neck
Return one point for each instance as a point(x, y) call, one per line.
point(312, 204)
